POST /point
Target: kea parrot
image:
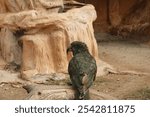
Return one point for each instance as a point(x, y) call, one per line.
point(82, 69)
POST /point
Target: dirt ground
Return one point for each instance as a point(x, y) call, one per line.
point(127, 56)
point(124, 55)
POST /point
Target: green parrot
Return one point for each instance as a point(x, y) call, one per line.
point(82, 69)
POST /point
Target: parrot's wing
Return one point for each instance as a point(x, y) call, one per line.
point(75, 72)
point(78, 77)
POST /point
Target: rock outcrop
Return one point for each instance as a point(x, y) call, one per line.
point(36, 36)
point(122, 16)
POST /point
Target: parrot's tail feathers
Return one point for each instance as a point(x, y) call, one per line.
point(84, 95)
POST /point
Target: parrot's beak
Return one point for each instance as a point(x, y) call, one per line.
point(69, 49)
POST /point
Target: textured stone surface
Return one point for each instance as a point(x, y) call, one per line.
point(10, 50)
point(22, 5)
point(122, 16)
point(44, 37)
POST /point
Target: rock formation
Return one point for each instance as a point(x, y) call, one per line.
point(36, 35)
point(122, 16)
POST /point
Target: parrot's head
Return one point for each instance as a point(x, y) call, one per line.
point(77, 47)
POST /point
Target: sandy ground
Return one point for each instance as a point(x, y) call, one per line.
point(124, 55)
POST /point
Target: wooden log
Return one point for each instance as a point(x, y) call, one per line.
point(55, 92)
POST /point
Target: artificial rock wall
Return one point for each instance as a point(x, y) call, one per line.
point(122, 16)
point(36, 36)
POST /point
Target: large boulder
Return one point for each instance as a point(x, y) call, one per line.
point(38, 39)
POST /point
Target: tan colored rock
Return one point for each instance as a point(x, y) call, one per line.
point(22, 5)
point(45, 37)
point(10, 50)
point(45, 50)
